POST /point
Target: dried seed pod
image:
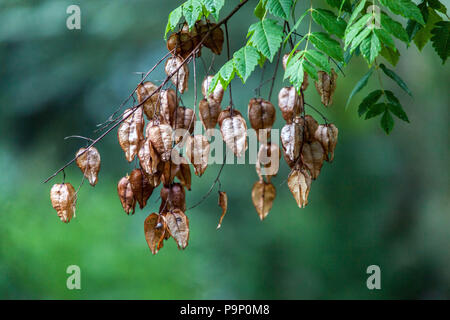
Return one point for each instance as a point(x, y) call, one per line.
point(169, 172)
point(223, 203)
point(63, 198)
point(142, 189)
point(180, 78)
point(169, 103)
point(214, 41)
point(155, 228)
point(269, 159)
point(131, 132)
point(126, 195)
point(327, 135)
point(184, 119)
point(299, 182)
point(197, 151)
point(184, 175)
point(178, 226)
point(311, 126)
point(209, 113)
point(305, 74)
point(173, 197)
point(326, 85)
point(148, 157)
point(226, 113)
point(151, 104)
point(313, 157)
point(234, 133)
point(89, 163)
point(217, 94)
point(161, 138)
point(261, 114)
point(290, 103)
point(181, 43)
point(292, 140)
point(263, 194)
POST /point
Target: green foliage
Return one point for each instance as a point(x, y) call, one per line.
point(441, 39)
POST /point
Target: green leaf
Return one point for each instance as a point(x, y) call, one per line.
point(392, 56)
point(359, 86)
point(398, 111)
point(341, 4)
point(352, 31)
point(368, 101)
point(370, 48)
point(391, 74)
point(174, 18)
point(299, 20)
point(245, 61)
point(441, 39)
point(310, 69)
point(319, 59)
point(227, 72)
point(437, 5)
point(329, 22)
point(294, 70)
point(405, 8)
point(260, 9)
point(214, 6)
point(359, 38)
point(385, 38)
point(280, 8)
point(387, 122)
point(375, 110)
point(192, 11)
point(266, 35)
point(323, 42)
point(355, 13)
point(423, 35)
point(393, 27)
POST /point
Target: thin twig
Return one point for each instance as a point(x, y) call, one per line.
point(316, 110)
point(80, 137)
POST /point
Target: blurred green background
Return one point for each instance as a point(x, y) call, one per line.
point(383, 201)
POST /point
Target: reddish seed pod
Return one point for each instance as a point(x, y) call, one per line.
point(261, 114)
point(126, 195)
point(150, 105)
point(209, 113)
point(142, 189)
point(89, 163)
point(63, 198)
point(173, 197)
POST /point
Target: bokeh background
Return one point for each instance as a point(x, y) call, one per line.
point(383, 201)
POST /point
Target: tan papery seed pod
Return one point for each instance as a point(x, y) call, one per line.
point(155, 229)
point(179, 79)
point(299, 182)
point(214, 41)
point(261, 114)
point(151, 104)
point(148, 157)
point(313, 157)
point(89, 163)
point(223, 203)
point(234, 133)
point(168, 105)
point(63, 198)
point(185, 119)
point(311, 126)
point(197, 151)
point(217, 94)
point(292, 140)
point(178, 226)
point(268, 160)
point(263, 194)
point(327, 135)
point(209, 113)
point(161, 138)
point(173, 197)
point(326, 85)
point(131, 133)
point(126, 195)
point(290, 103)
point(142, 189)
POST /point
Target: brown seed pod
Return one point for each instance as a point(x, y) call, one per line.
point(63, 198)
point(305, 74)
point(184, 175)
point(313, 157)
point(290, 103)
point(89, 163)
point(126, 195)
point(168, 105)
point(311, 126)
point(261, 114)
point(234, 133)
point(327, 135)
point(182, 43)
point(268, 160)
point(184, 119)
point(151, 104)
point(178, 226)
point(292, 140)
point(263, 194)
point(209, 113)
point(131, 133)
point(326, 85)
point(226, 113)
point(299, 182)
point(179, 79)
point(214, 41)
point(223, 203)
point(217, 95)
point(161, 138)
point(142, 189)
point(148, 157)
point(197, 151)
point(173, 197)
point(155, 228)
point(169, 172)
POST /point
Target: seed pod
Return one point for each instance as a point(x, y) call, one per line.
point(155, 229)
point(168, 105)
point(326, 85)
point(217, 94)
point(209, 113)
point(292, 140)
point(173, 197)
point(268, 159)
point(161, 138)
point(184, 175)
point(169, 172)
point(305, 74)
point(182, 43)
point(313, 156)
point(290, 103)
point(197, 151)
point(142, 189)
point(261, 114)
point(180, 78)
point(226, 113)
point(311, 126)
point(214, 41)
point(263, 194)
point(89, 163)
point(131, 133)
point(148, 157)
point(178, 226)
point(184, 119)
point(299, 182)
point(126, 195)
point(152, 104)
point(223, 203)
point(234, 132)
point(63, 198)
point(327, 135)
